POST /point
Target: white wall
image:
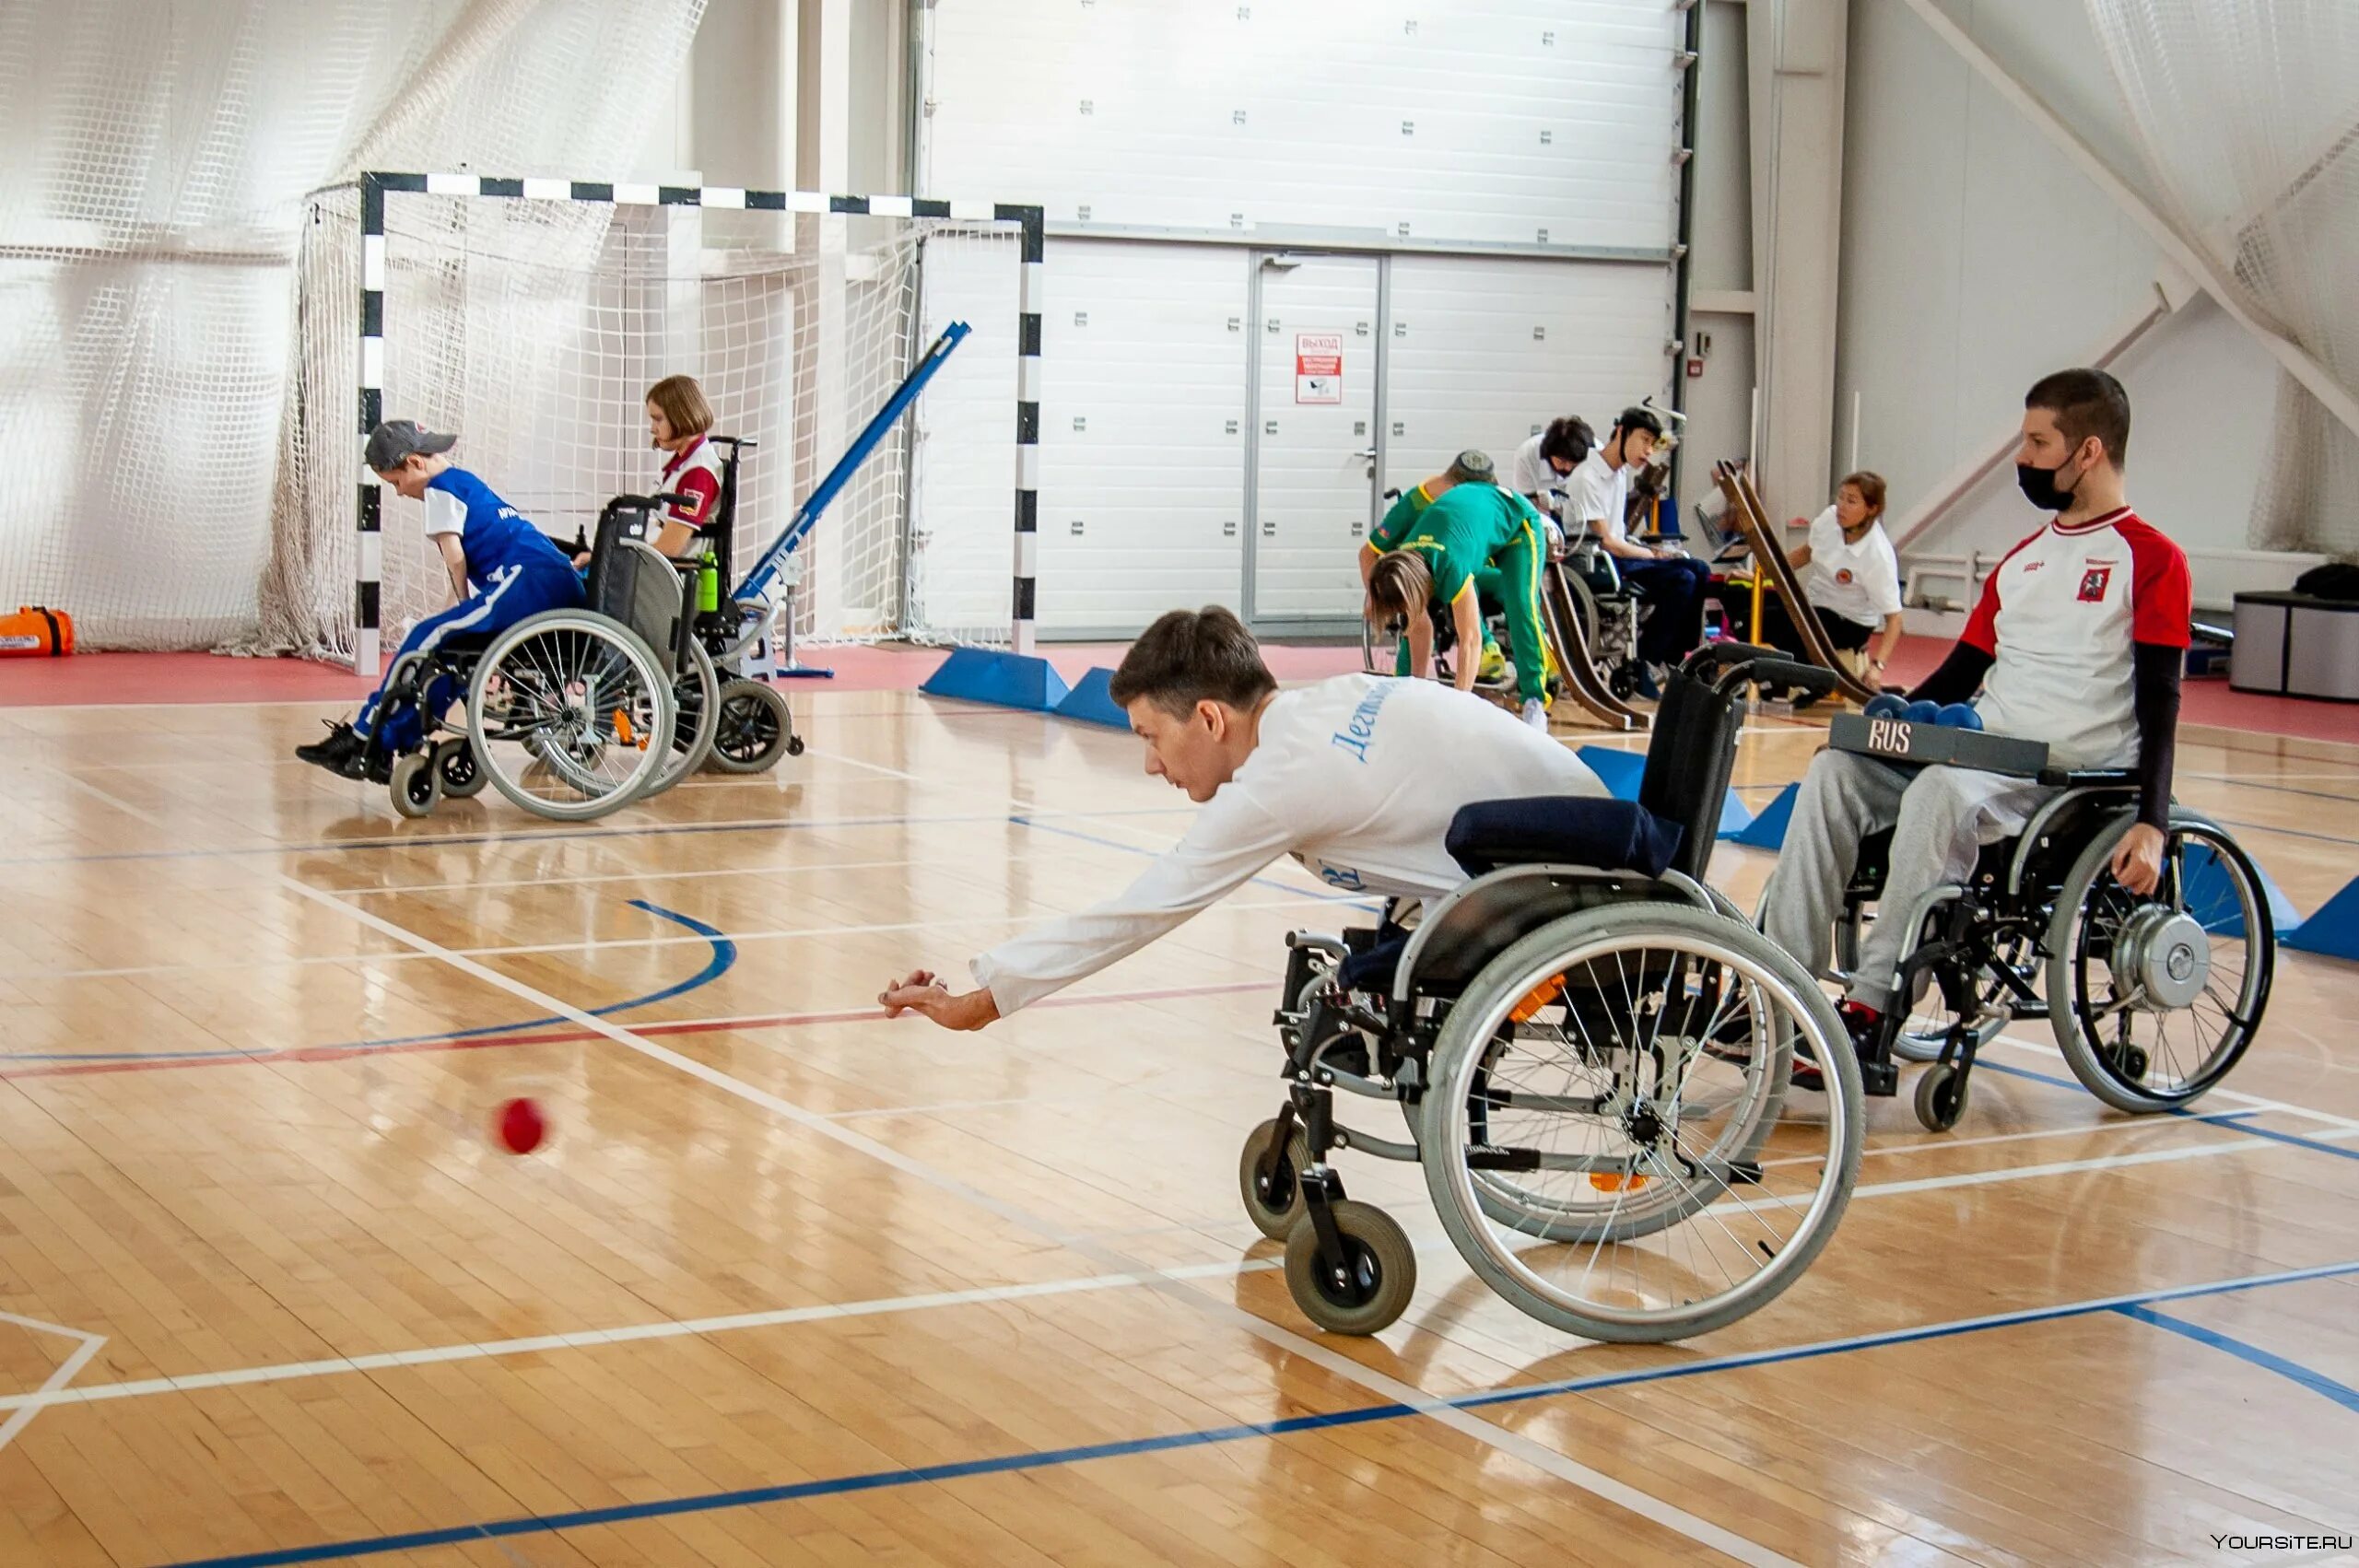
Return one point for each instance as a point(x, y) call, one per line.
point(1975, 259)
point(1496, 122)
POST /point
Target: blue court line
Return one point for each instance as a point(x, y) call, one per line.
point(436, 841)
point(873, 1481)
point(724, 956)
point(2340, 1152)
point(2317, 1381)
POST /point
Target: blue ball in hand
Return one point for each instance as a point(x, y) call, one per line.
point(1922, 712)
point(1961, 716)
point(1885, 704)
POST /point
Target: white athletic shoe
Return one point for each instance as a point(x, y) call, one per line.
point(1536, 715)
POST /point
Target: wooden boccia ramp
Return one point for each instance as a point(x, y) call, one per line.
point(793, 1284)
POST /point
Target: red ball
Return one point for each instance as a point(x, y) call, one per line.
point(522, 1126)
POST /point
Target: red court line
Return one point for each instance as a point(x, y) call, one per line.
point(574, 1036)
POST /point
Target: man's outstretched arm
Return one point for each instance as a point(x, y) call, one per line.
point(1231, 840)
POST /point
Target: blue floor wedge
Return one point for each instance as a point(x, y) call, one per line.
point(1090, 702)
point(1620, 772)
point(2333, 929)
point(1004, 680)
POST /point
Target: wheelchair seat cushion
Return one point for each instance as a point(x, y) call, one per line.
point(1612, 835)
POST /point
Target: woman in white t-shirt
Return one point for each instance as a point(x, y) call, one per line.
point(1851, 575)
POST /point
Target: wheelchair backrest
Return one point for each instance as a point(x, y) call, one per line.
point(1689, 761)
point(643, 589)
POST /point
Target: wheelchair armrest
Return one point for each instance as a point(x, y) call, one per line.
point(2089, 777)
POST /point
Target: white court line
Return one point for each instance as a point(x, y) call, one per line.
point(2071, 1167)
point(54, 1384)
point(1930, 1145)
point(25, 1405)
point(1500, 1439)
point(105, 797)
point(385, 889)
point(611, 945)
point(2349, 1124)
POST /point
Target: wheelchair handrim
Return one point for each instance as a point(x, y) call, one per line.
point(1449, 1120)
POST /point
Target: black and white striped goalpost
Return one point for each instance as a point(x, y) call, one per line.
point(368, 552)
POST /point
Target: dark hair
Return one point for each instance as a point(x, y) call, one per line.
point(1637, 418)
point(1870, 484)
point(1400, 584)
point(1193, 656)
point(2086, 403)
point(1569, 438)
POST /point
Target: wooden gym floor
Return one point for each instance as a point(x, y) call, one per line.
point(791, 1284)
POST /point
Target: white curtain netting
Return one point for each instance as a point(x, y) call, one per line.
point(2247, 112)
point(150, 209)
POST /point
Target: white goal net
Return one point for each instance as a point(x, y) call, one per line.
point(533, 326)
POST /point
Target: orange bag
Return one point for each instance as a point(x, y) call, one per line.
point(33, 631)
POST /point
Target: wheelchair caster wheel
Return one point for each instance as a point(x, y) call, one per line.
point(756, 728)
point(1374, 1286)
point(1272, 1206)
point(1941, 1097)
point(416, 787)
point(463, 778)
point(2131, 1064)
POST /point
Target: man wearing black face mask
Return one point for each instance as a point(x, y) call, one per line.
point(2077, 640)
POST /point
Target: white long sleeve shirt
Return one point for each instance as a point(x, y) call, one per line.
point(1356, 777)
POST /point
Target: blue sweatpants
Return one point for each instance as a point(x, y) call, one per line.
point(512, 594)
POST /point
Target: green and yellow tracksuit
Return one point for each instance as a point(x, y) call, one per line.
point(1487, 541)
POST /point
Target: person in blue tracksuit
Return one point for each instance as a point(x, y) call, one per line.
point(503, 569)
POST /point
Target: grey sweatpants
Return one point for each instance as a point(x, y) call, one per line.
point(1941, 818)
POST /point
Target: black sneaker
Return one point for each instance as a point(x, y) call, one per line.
point(342, 746)
point(347, 755)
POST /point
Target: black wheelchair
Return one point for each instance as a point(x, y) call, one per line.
point(1592, 1051)
point(754, 727)
point(2152, 1001)
point(571, 714)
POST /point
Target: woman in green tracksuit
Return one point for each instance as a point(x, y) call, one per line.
point(1453, 541)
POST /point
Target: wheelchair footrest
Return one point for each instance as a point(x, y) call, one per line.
point(1880, 1078)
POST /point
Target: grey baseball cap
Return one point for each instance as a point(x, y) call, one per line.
point(396, 438)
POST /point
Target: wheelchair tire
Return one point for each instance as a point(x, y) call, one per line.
point(2096, 1026)
point(695, 699)
point(455, 765)
point(754, 727)
point(416, 787)
point(596, 701)
point(1677, 1185)
point(1941, 1097)
point(1382, 1275)
point(1274, 1212)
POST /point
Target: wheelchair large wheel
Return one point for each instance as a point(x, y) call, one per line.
point(2152, 1001)
point(569, 713)
point(696, 700)
point(1621, 1165)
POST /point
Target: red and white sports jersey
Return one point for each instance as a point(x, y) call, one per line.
point(696, 473)
point(2059, 615)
